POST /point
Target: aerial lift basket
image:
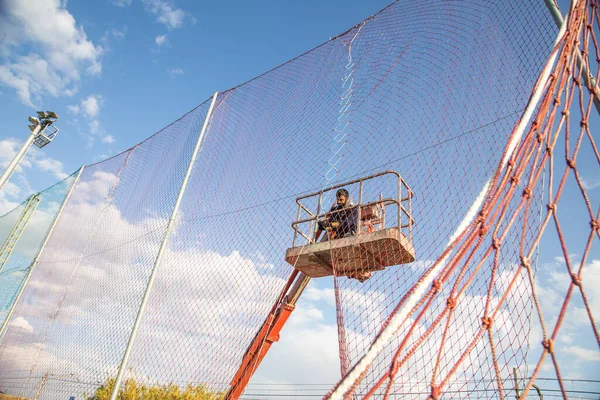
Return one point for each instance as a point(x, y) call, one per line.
point(373, 247)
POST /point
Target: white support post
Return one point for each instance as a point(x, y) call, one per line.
point(37, 256)
point(20, 154)
point(159, 256)
point(17, 230)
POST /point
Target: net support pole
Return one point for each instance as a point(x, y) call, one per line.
point(18, 228)
point(19, 156)
point(37, 256)
point(159, 256)
point(590, 81)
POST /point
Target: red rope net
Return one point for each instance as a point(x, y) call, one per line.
point(513, 296)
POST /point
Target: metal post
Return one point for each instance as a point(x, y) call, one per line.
point(37, 256)
point(517, 389)
point(17, 230)
point(297, 289)
point(295, 231)
point(589, 79)
point(159, 256)
point(319, 203)
point(382, 207)
point(400, 204)
point(360, 192)
point(42, 383)
point(360, 200)
point(20, 154)
point(410, 217)
point(539, 392)
point(314, 228)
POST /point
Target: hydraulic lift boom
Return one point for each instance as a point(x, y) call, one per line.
point(268, 333)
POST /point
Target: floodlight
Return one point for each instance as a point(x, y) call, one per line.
point(43, 132)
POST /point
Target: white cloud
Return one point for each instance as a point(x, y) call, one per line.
point(306, 334)
point(8, 150)
point(173, 72)
point(109, 139)
point(210, 296)
point(91, 105)
point(160, 40)
point(200, 294)
point(22, 324)
point(21, 84)
point(94, 126)
point(516, 330)
point(102, 156)
point(61, 52)
point(590, 183)
point(11, 190)
point(51, 165)
point(583, 354)
point(115, 34)
point(15, 191)
point(308, 314)
point(166, 13)
point(309, 351)
point(34, 158)
point(591, 282)
point(122, 3)
point(554, 282)
point(109, 34)
point(313, 293)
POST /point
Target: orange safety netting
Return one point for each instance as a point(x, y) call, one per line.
point(493, 317)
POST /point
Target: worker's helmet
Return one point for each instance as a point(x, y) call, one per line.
point(342, 192)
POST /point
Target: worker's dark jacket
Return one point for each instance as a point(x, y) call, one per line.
point(347, 217)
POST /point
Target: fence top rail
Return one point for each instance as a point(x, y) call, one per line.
point(385, 201)
point(358, 180)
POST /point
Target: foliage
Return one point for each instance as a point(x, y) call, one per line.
point(134, 390)
point(9, 397)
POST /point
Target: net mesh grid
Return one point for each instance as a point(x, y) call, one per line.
point(430, 90)
point(234, 221)
point(487, 310)
point(26, 245)
point(95, 267)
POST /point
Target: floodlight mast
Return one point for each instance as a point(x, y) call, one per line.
point(37, 137)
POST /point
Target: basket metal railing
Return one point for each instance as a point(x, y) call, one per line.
point(402, 199)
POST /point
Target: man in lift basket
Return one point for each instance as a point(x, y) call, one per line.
point(341, 220)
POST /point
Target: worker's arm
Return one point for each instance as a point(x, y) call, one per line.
point(325, 225)
point(322, 225)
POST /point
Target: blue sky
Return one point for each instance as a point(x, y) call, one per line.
point(130, 68)
point(124, 69)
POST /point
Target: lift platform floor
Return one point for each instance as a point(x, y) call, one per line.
point(371, 251)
